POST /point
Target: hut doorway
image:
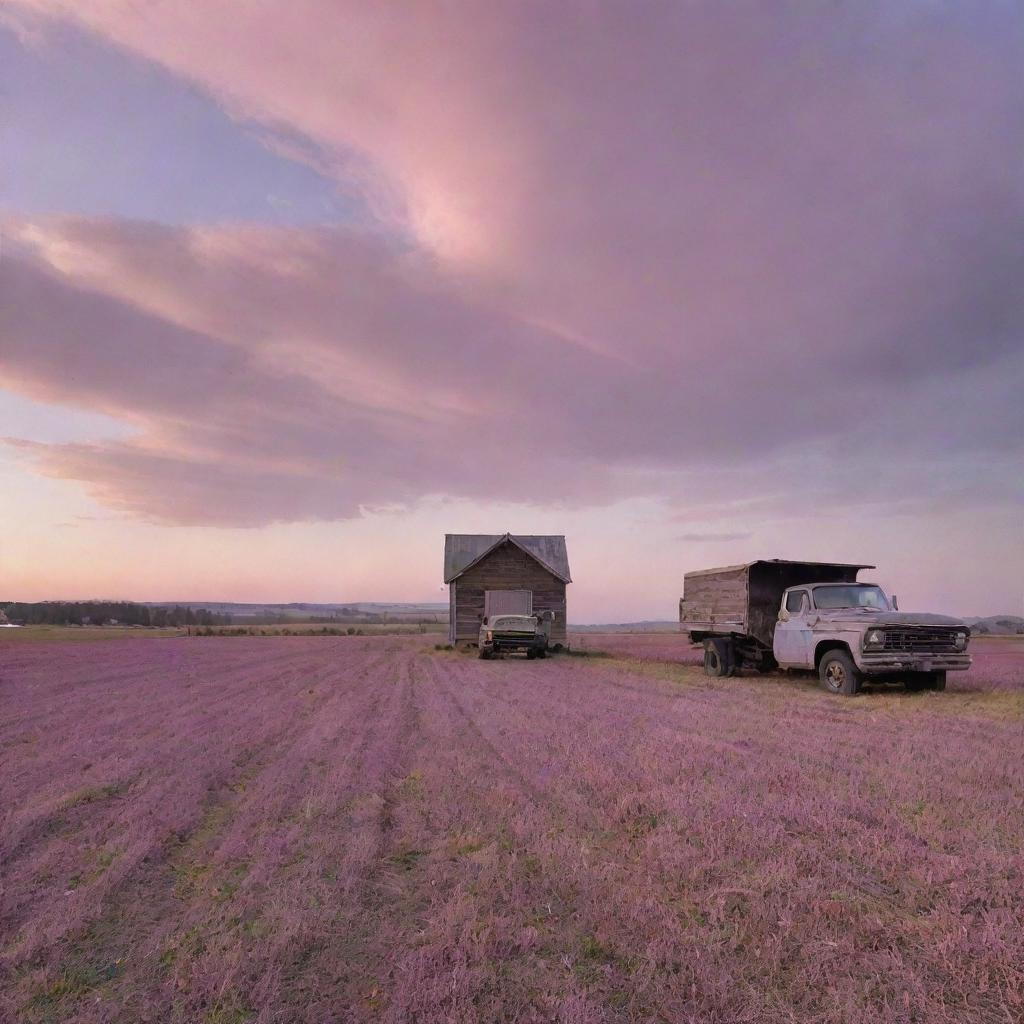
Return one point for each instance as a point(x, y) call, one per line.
point(508, 602)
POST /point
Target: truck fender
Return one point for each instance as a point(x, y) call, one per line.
point(831, 645)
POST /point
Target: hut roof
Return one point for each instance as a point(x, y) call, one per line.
point(463, 550)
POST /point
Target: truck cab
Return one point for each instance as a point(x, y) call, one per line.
point(849, 632)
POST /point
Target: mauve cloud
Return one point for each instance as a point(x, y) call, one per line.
point(257, 383)
point(612, 249)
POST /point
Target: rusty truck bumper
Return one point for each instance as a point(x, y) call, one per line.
point(877, 663)
point(514, 643)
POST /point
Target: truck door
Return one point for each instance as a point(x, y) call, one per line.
point(793, 632)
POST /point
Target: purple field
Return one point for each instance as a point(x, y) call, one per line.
point(348, 829)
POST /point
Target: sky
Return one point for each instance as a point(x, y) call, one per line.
point(287, 292)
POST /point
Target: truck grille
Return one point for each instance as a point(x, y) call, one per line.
point(928, 640)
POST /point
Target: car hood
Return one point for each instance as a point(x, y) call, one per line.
point(873, 618)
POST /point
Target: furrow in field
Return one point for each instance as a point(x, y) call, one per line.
point(352, 869)
point(265, 891)
point(172, 809)
point(91, 773)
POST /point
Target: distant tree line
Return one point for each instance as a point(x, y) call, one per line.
point(354, 615)
point(96, 613)
point(1001, 627)
point(342, 617)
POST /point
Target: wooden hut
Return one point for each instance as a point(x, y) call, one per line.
point(488, 574)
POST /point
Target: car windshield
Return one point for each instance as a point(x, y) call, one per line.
point(859, 595)
point(513, 622)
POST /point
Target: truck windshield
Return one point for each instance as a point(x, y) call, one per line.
point(524, 622)
point(855, 596)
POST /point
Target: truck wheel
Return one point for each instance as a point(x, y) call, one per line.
point(485, 655)
point(531, 654)
point(838, 673)
point(542, 652)
point(937, 681)
point(717, 660)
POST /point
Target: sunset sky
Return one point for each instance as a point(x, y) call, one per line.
point(288, 291)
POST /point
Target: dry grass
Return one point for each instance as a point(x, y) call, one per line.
point(325, 629)
point(65, 634)
point(86, 634)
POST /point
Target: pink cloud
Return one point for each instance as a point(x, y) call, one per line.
point(610, 248)
point(246, 375)
point(726, 169)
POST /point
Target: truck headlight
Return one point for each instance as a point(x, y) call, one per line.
point(960, 641)
point(874, 639)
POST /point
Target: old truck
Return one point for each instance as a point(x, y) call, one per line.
point(816, 616)
point(500, 634)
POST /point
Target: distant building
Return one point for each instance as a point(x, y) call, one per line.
point(488, 574)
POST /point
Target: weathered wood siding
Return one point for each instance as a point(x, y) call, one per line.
point(507, 567)
point(715, 602)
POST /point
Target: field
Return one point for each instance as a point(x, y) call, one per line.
point(334, 829)
point(65, 634)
